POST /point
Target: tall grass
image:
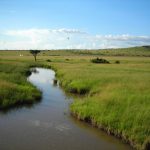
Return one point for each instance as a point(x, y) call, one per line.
point(117, 96)
point(14, 88)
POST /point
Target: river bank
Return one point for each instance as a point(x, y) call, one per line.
point(114, 96)
point(48, 124)
point(15, 90)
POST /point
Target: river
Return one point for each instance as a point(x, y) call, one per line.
point(48, 125)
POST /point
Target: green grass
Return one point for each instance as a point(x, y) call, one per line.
point(14, 88)
point(116, 97)
point(134, 51)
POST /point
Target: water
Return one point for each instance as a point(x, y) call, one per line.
point(48, 125)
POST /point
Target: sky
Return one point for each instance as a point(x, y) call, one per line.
point(74, 24)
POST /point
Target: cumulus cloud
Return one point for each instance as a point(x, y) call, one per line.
point(66, 39)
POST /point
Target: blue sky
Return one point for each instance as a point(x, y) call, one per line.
point(47, 24)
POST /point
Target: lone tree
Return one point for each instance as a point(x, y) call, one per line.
point(34, 53)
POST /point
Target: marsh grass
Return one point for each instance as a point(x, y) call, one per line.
point(117, 97)
point(14, 88)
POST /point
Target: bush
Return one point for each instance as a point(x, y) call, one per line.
point(48, 60)
point(117, 62)
point(100, 60)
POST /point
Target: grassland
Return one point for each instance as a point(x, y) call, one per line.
point(134, 51)
point(116, 97)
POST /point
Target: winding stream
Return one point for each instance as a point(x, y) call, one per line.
point(48, 124)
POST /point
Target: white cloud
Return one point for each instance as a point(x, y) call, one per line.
point(58, 39)
point(117, 41)
point(71, 31)
point(31, 32)
point(124, 37)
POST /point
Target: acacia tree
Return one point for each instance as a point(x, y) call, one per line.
point(34, 53)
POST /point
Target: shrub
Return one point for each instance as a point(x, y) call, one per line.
point(100, 60)
point(48, 60)
point(117, 62)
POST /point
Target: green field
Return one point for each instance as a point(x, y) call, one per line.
point(115, 97)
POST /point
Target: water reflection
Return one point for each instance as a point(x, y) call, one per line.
point(16, 107)
point(34, 70)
